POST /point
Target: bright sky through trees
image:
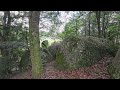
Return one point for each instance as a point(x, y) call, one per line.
point(64, 17)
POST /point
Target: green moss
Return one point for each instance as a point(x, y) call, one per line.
point(25, 60)
point(81, 51)
point(60, 62)
point(37, 67)
point(113, 72)
point(114, 66)
point(89, 57)
point(112, 50)
point(85, 62)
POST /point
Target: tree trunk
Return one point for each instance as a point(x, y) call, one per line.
point(107, 24)
point(103, 24)
point(6, 31)
point(93, 30)
point(76, 27)
point(6, 25)
point(85, 28)
point(89, 24)
point(117, 37)
point(26, 37)
point(98, 14)
point(37, 67)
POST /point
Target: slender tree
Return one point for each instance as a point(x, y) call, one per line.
point(89, 15)
point(6, 31)
point(103, 24)
point(98, 15)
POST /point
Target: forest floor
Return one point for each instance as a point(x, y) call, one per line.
point(97, 71)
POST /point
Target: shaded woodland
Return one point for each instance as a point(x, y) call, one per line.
point(59, 44)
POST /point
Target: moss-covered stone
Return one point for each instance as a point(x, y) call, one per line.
point(82, 51)
point(53, 49)
point(25, 61)
point(45, 55)
point(112, 49)
point(114, 67)
point(60, 64)
point(111, 70)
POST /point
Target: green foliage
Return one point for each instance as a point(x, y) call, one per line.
point(3, 67)
point(16, 54)
point(13, 45)
point(72, 27)
point(6, 66)
point(75, 51)
point(45, 44)
point(112, 50)
point(113, 30)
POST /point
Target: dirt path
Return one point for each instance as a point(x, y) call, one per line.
point(97, 71)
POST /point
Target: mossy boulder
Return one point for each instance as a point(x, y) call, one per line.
point(113, 48)
point(53, 49)
point(114, 66)
point(45, 55)
point(60, 64)
point(25, 60)
point(82, 51)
